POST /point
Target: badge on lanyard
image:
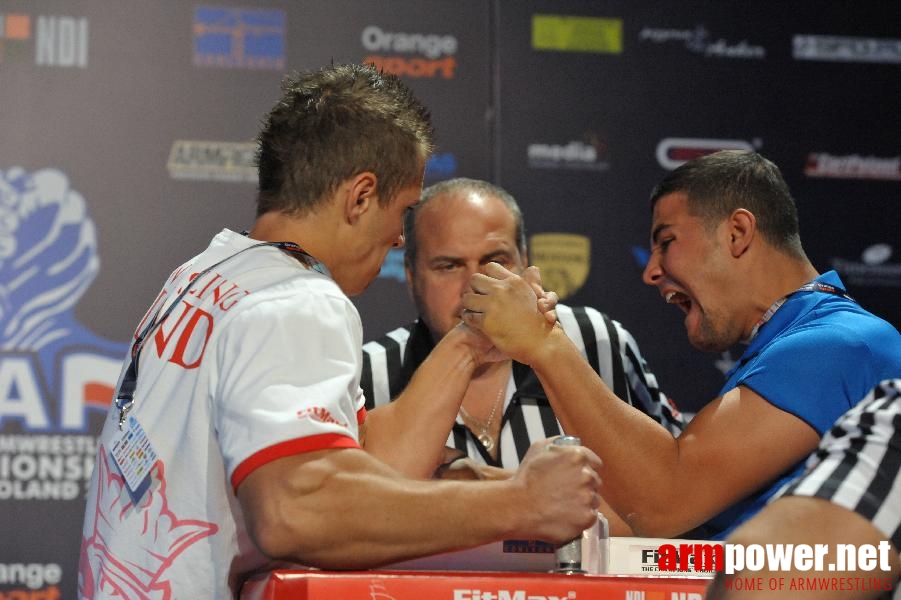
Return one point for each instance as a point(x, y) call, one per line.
point(130, 448)
point(133, 453)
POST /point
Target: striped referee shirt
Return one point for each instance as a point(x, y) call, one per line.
point(389, 363)
point(858, 463)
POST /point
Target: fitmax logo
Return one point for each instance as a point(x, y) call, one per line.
point(508, 595)
point(640, 595)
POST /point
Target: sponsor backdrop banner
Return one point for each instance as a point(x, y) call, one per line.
point(127, 142)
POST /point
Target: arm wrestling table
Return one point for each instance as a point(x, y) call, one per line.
point(441, 585)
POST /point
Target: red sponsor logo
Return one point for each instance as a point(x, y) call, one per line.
point(414, 68)
point(318, 413)
point(673, 152)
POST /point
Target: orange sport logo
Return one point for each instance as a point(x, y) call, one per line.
point(413, 55)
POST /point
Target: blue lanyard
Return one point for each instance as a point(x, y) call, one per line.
point(125, 396)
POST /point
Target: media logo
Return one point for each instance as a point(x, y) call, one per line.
point(52, 41)
point(213, 161)
point(413, 55)
point(833, 48)
point(566, 33)
point(674, 152)
point(564, 260)
point(589, 154)
point(852, 166)
point(239, 38)
point(699, 41)
point(873, 269)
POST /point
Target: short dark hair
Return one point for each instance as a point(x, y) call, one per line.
point(458, 185)
point(334, 123)
point(719, 183)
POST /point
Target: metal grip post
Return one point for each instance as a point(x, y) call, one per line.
point(569, 555)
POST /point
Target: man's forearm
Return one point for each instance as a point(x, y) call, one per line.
point(410, 432)
point(311, 510)
point(465, 469)
point(640, 456)
point(662, 486)
point(344, 509)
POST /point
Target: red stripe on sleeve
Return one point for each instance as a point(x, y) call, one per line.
point(323, 441)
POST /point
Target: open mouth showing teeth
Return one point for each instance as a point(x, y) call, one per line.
point(679, 299)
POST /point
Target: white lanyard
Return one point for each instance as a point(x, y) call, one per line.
point(813, 286)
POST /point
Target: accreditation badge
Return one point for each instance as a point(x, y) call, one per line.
point(134, 455)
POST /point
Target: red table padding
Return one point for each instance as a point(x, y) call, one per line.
point(441, 585)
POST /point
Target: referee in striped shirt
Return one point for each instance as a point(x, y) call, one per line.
point(850, 493)
point(459, 226)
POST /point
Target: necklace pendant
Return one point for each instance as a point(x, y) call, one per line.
point(486, 441)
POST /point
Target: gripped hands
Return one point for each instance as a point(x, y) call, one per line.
point(562, 486)
point(506, 308)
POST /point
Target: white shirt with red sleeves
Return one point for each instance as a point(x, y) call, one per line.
point(258, 360)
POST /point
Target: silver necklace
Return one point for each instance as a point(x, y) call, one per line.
point(484, 436)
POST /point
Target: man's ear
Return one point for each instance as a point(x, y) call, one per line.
point(360, 195)
point(742, 231)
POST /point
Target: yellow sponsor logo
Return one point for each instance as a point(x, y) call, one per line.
point(563, 259)
point(577, 34)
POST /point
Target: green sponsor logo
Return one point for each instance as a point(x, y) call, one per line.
point(577, 34)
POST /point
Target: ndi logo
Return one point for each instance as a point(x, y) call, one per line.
point(59, 41)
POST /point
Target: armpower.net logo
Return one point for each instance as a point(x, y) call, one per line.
point(817, 560)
